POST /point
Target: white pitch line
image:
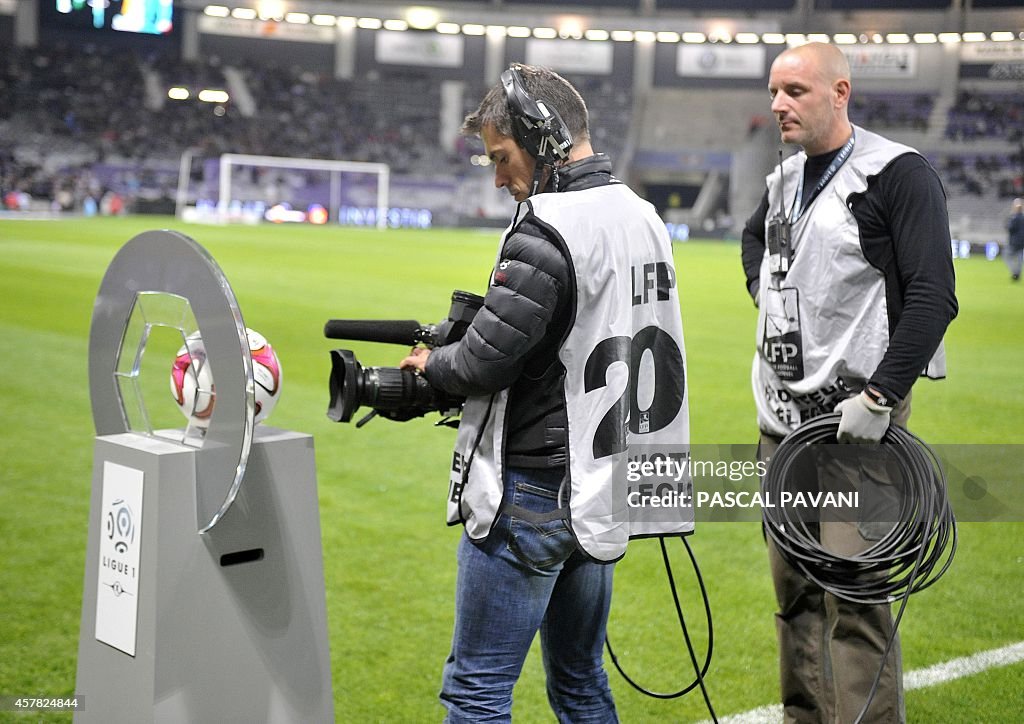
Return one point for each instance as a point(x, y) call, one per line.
point(771, 714)
point(919, 679)
point(965, 666)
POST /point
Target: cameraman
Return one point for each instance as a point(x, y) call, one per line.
point(543, 368)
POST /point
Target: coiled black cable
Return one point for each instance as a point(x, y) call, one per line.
point(911, 556)
point(917, 549)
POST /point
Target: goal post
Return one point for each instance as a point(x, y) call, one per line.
point(232, 191)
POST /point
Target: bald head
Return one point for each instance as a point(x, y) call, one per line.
point(810, 89)
point(826, 59)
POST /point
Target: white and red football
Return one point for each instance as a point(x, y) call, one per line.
point(192, 383)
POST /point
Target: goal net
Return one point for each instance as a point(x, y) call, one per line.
point(245, 188)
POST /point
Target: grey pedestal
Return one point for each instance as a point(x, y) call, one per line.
point(231, 625)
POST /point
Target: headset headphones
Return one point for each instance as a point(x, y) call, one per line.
point(535, 124)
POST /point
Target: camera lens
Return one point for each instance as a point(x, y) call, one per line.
point(345, 397)
point(385, 389)
point(391, 388)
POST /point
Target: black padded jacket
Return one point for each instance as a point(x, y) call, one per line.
point(514, 339)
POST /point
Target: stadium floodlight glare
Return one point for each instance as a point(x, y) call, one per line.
point(216, 11)
point(297, 18)
point(447, 28)
point(422, 18)
point(925, 38)
point(877, 38)
point(773, 38)
point(897, 38)
point(473, 29)
point(545, 33)
point(622, 36)
point(398, 25)
point(270, 9)
point(346, 22)
point(518, 31)
point(794, 39)
point(596, 34)
point(178, 94)
point(496, 31)
point(369, 23)
point(949, 37)
point(721, 32)
point(818, 38)
point(243, 14)
point(844, 39)
point(209, 95)
point(668, 36)
point(644, 36)
point(570, 29)
point(973, 37)
point(324, 20)
point(746, 38)
point(1001, 36)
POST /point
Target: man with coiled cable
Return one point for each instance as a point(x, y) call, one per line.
point(848, 260)
point(583, 289)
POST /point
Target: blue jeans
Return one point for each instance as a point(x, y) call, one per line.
point(528, 575)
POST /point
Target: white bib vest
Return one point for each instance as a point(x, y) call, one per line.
point(823, 329)
point(625, 376)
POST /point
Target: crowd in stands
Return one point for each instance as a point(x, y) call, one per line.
point(980, 175)
point(882, 111)
point(979, 115)
point(81, 122)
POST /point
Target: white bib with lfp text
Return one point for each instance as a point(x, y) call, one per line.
point(823, 327)
point(625, 375)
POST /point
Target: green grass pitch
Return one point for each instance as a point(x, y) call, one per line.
point(389, 558)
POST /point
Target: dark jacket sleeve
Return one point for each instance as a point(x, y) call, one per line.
point(910, 201)
point(526, 286)
point(752, 247)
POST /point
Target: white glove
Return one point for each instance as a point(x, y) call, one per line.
point(863, 420)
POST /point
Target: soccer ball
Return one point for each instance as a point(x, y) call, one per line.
point(192, 384)
point(266, 370)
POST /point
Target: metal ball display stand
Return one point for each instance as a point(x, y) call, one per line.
point(204, 591)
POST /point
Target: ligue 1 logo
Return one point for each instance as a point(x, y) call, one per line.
point(120, 525)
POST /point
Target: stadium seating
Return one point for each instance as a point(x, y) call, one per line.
point(980, 115)
point(57, 103)
point(892, 110)
point(79, 120)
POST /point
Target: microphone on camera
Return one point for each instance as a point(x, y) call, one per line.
point(393, 331)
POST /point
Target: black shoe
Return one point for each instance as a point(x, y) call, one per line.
point(1015, 277)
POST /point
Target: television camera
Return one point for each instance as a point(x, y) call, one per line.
point(390, 392)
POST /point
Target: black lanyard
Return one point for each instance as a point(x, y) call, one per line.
point(799, 208)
